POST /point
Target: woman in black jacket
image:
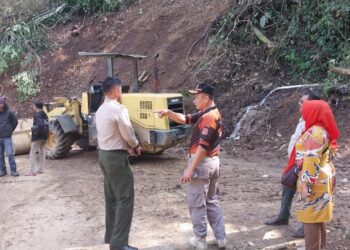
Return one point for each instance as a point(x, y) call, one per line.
point(40, 131)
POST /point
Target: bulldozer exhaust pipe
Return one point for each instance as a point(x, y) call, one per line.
point(155, 79)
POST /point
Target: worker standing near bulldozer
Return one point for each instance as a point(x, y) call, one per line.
point(116, 138)
point(8, 124)
point(40, 132)
point(202, 173)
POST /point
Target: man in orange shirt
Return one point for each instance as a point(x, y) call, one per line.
point(202, 173)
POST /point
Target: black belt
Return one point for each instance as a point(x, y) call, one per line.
point(115, 150)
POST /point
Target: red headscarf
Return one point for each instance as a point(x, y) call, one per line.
point(317, 112)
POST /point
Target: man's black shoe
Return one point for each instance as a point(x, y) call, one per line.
point(299, 233)
point(3, 173)
point(124, 248)
point(276, 222)
point(14, 173)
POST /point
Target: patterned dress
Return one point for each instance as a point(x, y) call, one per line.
point(313, 155)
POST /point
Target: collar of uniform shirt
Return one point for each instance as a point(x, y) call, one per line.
point(107, 99)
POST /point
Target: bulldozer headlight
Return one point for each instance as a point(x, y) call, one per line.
point(174, 100)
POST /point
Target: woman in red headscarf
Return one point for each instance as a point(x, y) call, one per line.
point(313, 153)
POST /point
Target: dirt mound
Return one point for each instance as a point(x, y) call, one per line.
point(147, 27)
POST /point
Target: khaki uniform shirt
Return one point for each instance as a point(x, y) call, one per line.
point(114, 130)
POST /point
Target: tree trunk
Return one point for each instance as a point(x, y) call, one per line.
point(340, 71)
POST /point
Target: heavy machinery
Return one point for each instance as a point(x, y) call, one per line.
point(21, 137)
point(72, 119)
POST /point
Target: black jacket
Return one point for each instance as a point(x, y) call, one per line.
point(8, 122)
point(40, 129)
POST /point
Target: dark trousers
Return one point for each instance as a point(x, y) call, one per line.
point(6, 148)
point(315, 236)
point(119, 196)
point(286, 203)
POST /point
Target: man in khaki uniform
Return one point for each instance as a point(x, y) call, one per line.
point(203, 171)
point(116, 138)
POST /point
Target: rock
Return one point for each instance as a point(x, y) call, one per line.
point(282, 147)
point(251, 244)
point(347, 235)
point(104, 19)
point(345, 180)
point(265, 176)
point(75, 27)
point(273, 234)
point(278, 134)
point(119, 24)
point(267, 86)
point(75, 32)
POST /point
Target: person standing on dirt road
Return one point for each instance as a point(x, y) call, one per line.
point(116, 138)
point(202, 173)
point(40, 132)
point(313, 152)
point(8, 124)
point(288, 193)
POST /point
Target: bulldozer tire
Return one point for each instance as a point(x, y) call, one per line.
point(58, 143)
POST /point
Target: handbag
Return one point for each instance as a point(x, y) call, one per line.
point(290, 178)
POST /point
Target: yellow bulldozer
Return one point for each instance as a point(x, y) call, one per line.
point(71, 120)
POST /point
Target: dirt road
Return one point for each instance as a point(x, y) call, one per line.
point(65, 206)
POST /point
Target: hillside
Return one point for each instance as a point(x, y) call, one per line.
point(152, 27)
point(180, 32)
point(69, 196)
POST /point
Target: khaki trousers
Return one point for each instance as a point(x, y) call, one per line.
point(37, 156)
point(315, 236)
point(203, 199)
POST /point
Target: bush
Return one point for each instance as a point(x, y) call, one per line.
point(316, 35)
point(22, 38)
point(307, 36)
point(25, 34)
point(26, 84)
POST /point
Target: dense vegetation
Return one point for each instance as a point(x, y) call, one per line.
point(25, 25)
point(302, 38)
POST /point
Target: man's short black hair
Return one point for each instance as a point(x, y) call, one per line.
point(312, 95)
point(109, 83)
point(38, 104)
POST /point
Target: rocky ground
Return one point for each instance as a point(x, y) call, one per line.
point(64, 207)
